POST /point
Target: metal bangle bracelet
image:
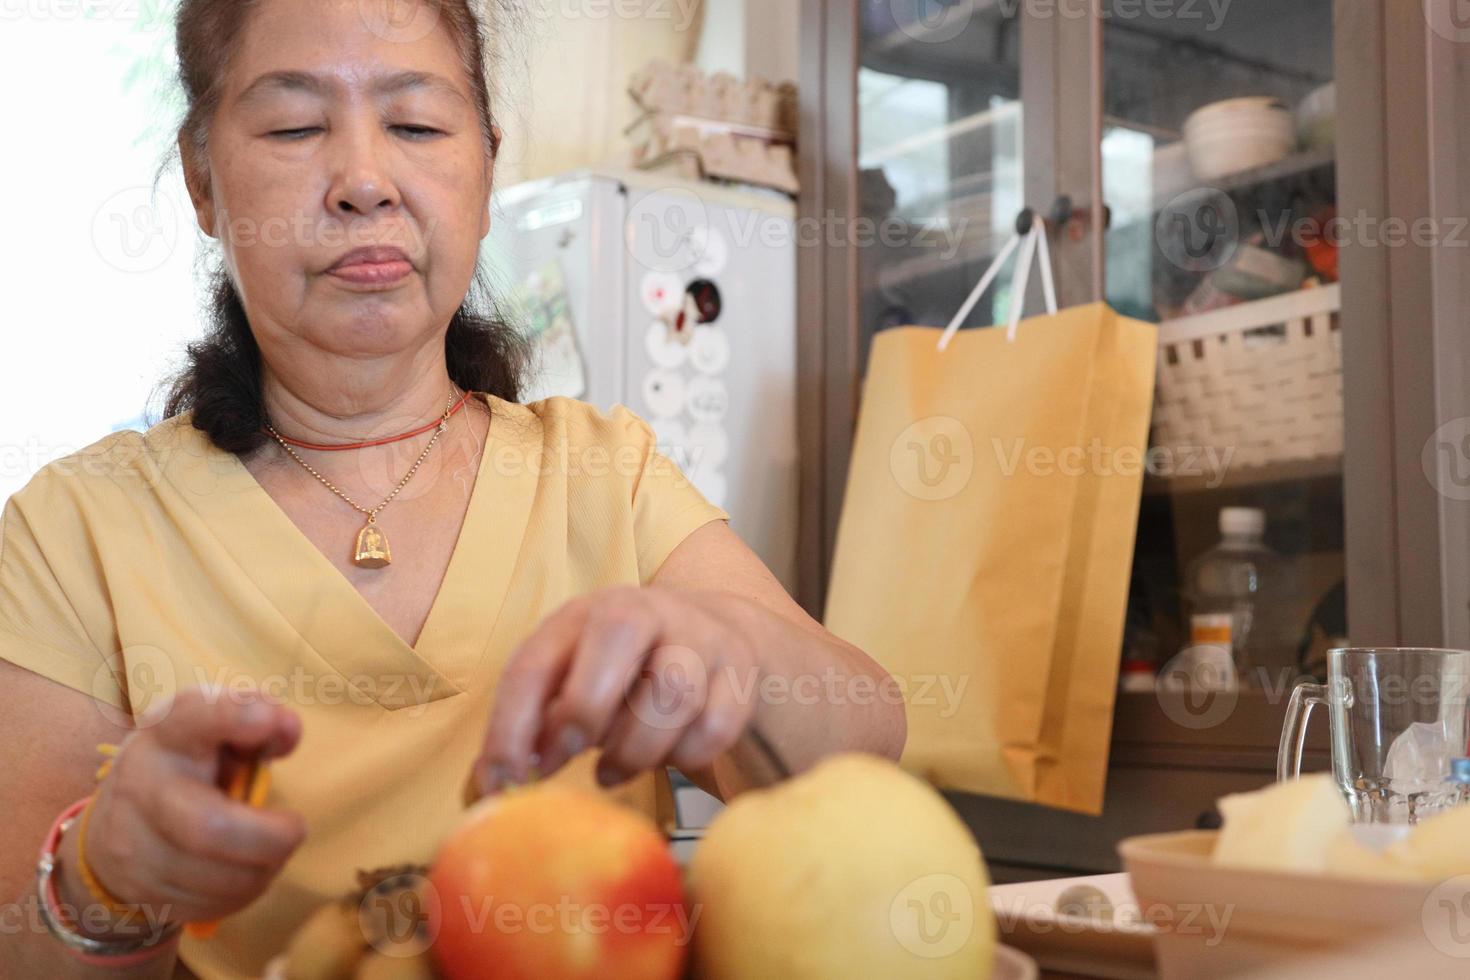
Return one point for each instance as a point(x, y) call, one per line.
point(83, 944)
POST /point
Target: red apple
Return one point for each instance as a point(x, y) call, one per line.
point(553, 883)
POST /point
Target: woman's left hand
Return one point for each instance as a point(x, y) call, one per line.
point(654, 676)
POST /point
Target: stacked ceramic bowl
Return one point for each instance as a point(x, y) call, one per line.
point(1236, 135)
point(1316, 117)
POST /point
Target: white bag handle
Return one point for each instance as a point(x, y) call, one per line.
point(1031, 243)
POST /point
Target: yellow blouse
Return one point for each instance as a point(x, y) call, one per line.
point(149, 563)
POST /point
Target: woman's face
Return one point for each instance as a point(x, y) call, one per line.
point(330, 138)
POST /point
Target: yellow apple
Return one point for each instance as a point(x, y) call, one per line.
point(855, 869)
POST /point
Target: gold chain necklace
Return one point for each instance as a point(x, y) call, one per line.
point(372, 544)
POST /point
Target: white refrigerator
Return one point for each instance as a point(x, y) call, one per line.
point(678, 300)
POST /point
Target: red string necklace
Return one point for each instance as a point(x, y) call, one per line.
point(378, 442)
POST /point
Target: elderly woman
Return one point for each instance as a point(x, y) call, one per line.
point(349, 551)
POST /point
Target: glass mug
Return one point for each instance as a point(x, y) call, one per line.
point(1397, 719)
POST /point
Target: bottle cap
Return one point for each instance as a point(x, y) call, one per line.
point(1242, 520)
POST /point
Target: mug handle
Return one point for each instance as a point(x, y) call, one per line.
point(1304, 697)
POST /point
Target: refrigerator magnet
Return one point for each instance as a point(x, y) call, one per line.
point(663, 294)
point(709, 444)
point(708, 399)
point(709, 350)
point(663, 393)
point(663, 349)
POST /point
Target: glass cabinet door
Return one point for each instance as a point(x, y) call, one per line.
point(1219, 174)
point(939, 145)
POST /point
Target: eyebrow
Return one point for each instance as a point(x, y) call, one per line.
point(321, 85)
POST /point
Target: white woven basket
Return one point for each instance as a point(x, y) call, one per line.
point(1261, 378)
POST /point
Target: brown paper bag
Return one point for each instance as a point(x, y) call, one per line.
point(986, 541)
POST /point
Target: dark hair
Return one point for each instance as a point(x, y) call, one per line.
point(221, 379)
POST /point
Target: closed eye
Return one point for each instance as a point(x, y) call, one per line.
point(419, 132)
point(412, 132)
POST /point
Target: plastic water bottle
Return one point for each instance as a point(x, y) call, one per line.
point(1460, 778)
point(1229, 591)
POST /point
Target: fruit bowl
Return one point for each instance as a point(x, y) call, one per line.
point(1010, 964)
point(1219, 921)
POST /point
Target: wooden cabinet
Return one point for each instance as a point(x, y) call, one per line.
point(927, 125)
point(1165, 774)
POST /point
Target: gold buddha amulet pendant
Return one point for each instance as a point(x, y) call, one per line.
point(372, 547)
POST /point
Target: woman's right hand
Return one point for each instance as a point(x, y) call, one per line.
point(163, 836)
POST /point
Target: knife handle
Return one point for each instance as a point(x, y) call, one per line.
point(245, 778)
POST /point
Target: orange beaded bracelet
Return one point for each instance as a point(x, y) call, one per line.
point(89, 878)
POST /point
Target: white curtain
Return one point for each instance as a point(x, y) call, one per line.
point(562, 78)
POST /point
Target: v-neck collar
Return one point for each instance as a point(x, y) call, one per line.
point(327, 610)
